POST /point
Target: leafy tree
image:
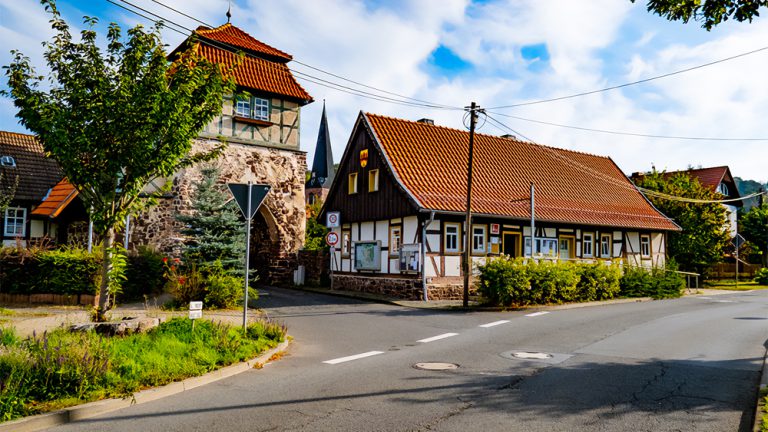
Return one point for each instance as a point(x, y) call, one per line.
point(753, 225)
point(114, 120)
point(316, 231)
point(215, 230)
point(7, 190)
point(709, 12)
point(704, 237)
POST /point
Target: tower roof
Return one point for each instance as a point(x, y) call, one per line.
point(322, 173)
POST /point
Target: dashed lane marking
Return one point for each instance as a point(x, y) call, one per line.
point(537, 314)
point(493, 324)
point(353, 357)
point(704, 298)
point(438, 337)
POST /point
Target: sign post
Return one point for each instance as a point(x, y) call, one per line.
point(249, 198)
point(332, 239)
point(737, 241)
point(195, 311)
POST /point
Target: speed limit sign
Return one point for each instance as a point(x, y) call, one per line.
point(332, 219)
point(332, 239)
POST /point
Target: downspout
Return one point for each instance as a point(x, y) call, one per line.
point(424, 253)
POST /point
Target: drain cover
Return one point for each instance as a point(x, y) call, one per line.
point(531, 355)
point(436, 366)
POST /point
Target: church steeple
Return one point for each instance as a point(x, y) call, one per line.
point(323, 172)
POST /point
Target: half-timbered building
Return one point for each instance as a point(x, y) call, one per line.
point(401, 190)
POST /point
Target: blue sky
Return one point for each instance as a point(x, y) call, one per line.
point(494, 52)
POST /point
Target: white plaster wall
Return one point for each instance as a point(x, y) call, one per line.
point(430, 268)
point(410, 228)
point(382, 232)
point(36, 228)
point(366, 231)
point(453, 265)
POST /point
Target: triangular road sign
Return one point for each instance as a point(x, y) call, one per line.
point(240, 192)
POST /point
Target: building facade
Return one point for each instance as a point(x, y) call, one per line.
point(400, 193)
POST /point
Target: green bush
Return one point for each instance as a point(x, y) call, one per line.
point(213, 285)
point(145, 274)
point(657, 282)
point(761, 277)
point(505, 281)
point(598, 281)
point(68, 271)
point(553, 282)
point(223, 290)
point(63, 368)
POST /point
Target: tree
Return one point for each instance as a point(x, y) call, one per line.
point(704, 237)
point(214, 230)
point(316, 231)
point(753, 225)
point(114, 120)
point(7, 190)
point(709, 12)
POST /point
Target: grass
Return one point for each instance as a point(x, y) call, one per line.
point(59, 369)
point(730, 284)
point(763, 409)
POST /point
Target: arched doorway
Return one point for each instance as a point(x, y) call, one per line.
point(265, 245)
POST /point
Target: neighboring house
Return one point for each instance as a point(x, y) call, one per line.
point(22, 159)
point(260, 124)
point(323, 172)
point(401, 193)
point(718, 179)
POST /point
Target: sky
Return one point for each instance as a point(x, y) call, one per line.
point(495, 53)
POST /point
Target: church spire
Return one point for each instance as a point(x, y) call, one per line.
point(323, 172)
point(229, 11)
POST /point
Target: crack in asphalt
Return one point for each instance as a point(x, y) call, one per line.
point(465, 405)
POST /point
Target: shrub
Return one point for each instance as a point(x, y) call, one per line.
point(598, 281)
point(553, 282)
point(213, 285)
point(761, 277)
point(657, 282)
point(145, 274)
point(68, 271)
point(223, 290)
point(505, 281)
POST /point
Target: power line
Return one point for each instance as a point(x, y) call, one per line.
point(604, 131)
point(409, 101)
point(645, 80)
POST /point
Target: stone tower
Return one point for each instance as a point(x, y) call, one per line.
point(323, 172)
point(260, 125)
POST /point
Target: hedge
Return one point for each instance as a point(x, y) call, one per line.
point(506, 281)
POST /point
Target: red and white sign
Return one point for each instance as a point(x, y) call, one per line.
point(332, 219)
point(332, 238)
point(495, 228)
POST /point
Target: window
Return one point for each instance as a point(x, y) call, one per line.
point(252, 107)
point(352, 184)
point(587, 240)
point(645, 246)
point(478, 239)
point(8, 161)
point(452, 237)
point(723, 189)
point(605, 245)
point(373, 180)
point(395, 236)
point(15, 222)
point(346, 241)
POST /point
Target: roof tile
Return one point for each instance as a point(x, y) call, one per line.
point(36, 172)
point(58, 199)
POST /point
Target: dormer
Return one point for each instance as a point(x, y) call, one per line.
point(264, 110)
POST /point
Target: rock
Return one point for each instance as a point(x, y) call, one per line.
point(128, 325)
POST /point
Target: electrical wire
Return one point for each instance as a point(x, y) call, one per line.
point(634, 134)
point(645, 80)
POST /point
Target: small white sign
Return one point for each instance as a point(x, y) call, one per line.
point(195, 305)
point(195, 314)
point(332, 219)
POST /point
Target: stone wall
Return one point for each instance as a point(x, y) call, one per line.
point(399, 288)
point(281, 218)
point(317, 264)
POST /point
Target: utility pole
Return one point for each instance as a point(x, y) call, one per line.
point(533, 223)
point(473, 110)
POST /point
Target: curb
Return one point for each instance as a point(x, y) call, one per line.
point(763, 385)
point(92, 409)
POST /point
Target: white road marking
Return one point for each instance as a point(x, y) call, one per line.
point(704, 298)
point(438, 337)
point(353, 357)
point(495, 323)
point(537, 314)
point(724, 301)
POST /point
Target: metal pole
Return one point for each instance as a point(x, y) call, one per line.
point(468, 220)
point(737, 260)
point(333, 260)
point(247, 256)
point(127, 234)
point(533, 223)
point(90, 232)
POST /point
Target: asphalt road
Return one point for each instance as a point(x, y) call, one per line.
point(689, 364)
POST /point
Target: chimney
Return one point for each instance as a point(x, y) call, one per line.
point(509, 136)
point(426, 121)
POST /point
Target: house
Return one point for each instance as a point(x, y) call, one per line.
point(401, 188)
point(323, 171)
point(260, 124)
point(717, 179)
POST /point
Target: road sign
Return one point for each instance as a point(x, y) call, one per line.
point(738, 240)
point(240, 192)
point(332, 238)
point(195, 305)
point(332, 219)
point(195, 314)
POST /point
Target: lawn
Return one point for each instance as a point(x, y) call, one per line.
point(58, 369)
point(730, 284)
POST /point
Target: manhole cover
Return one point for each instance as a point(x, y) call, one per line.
point(436, 366)
point(531, 355)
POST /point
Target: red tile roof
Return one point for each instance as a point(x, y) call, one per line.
point(263, 68)
point(571, 187)
point(57, 200)
point(708, 177)
point(232, 35)
point(36, 172)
